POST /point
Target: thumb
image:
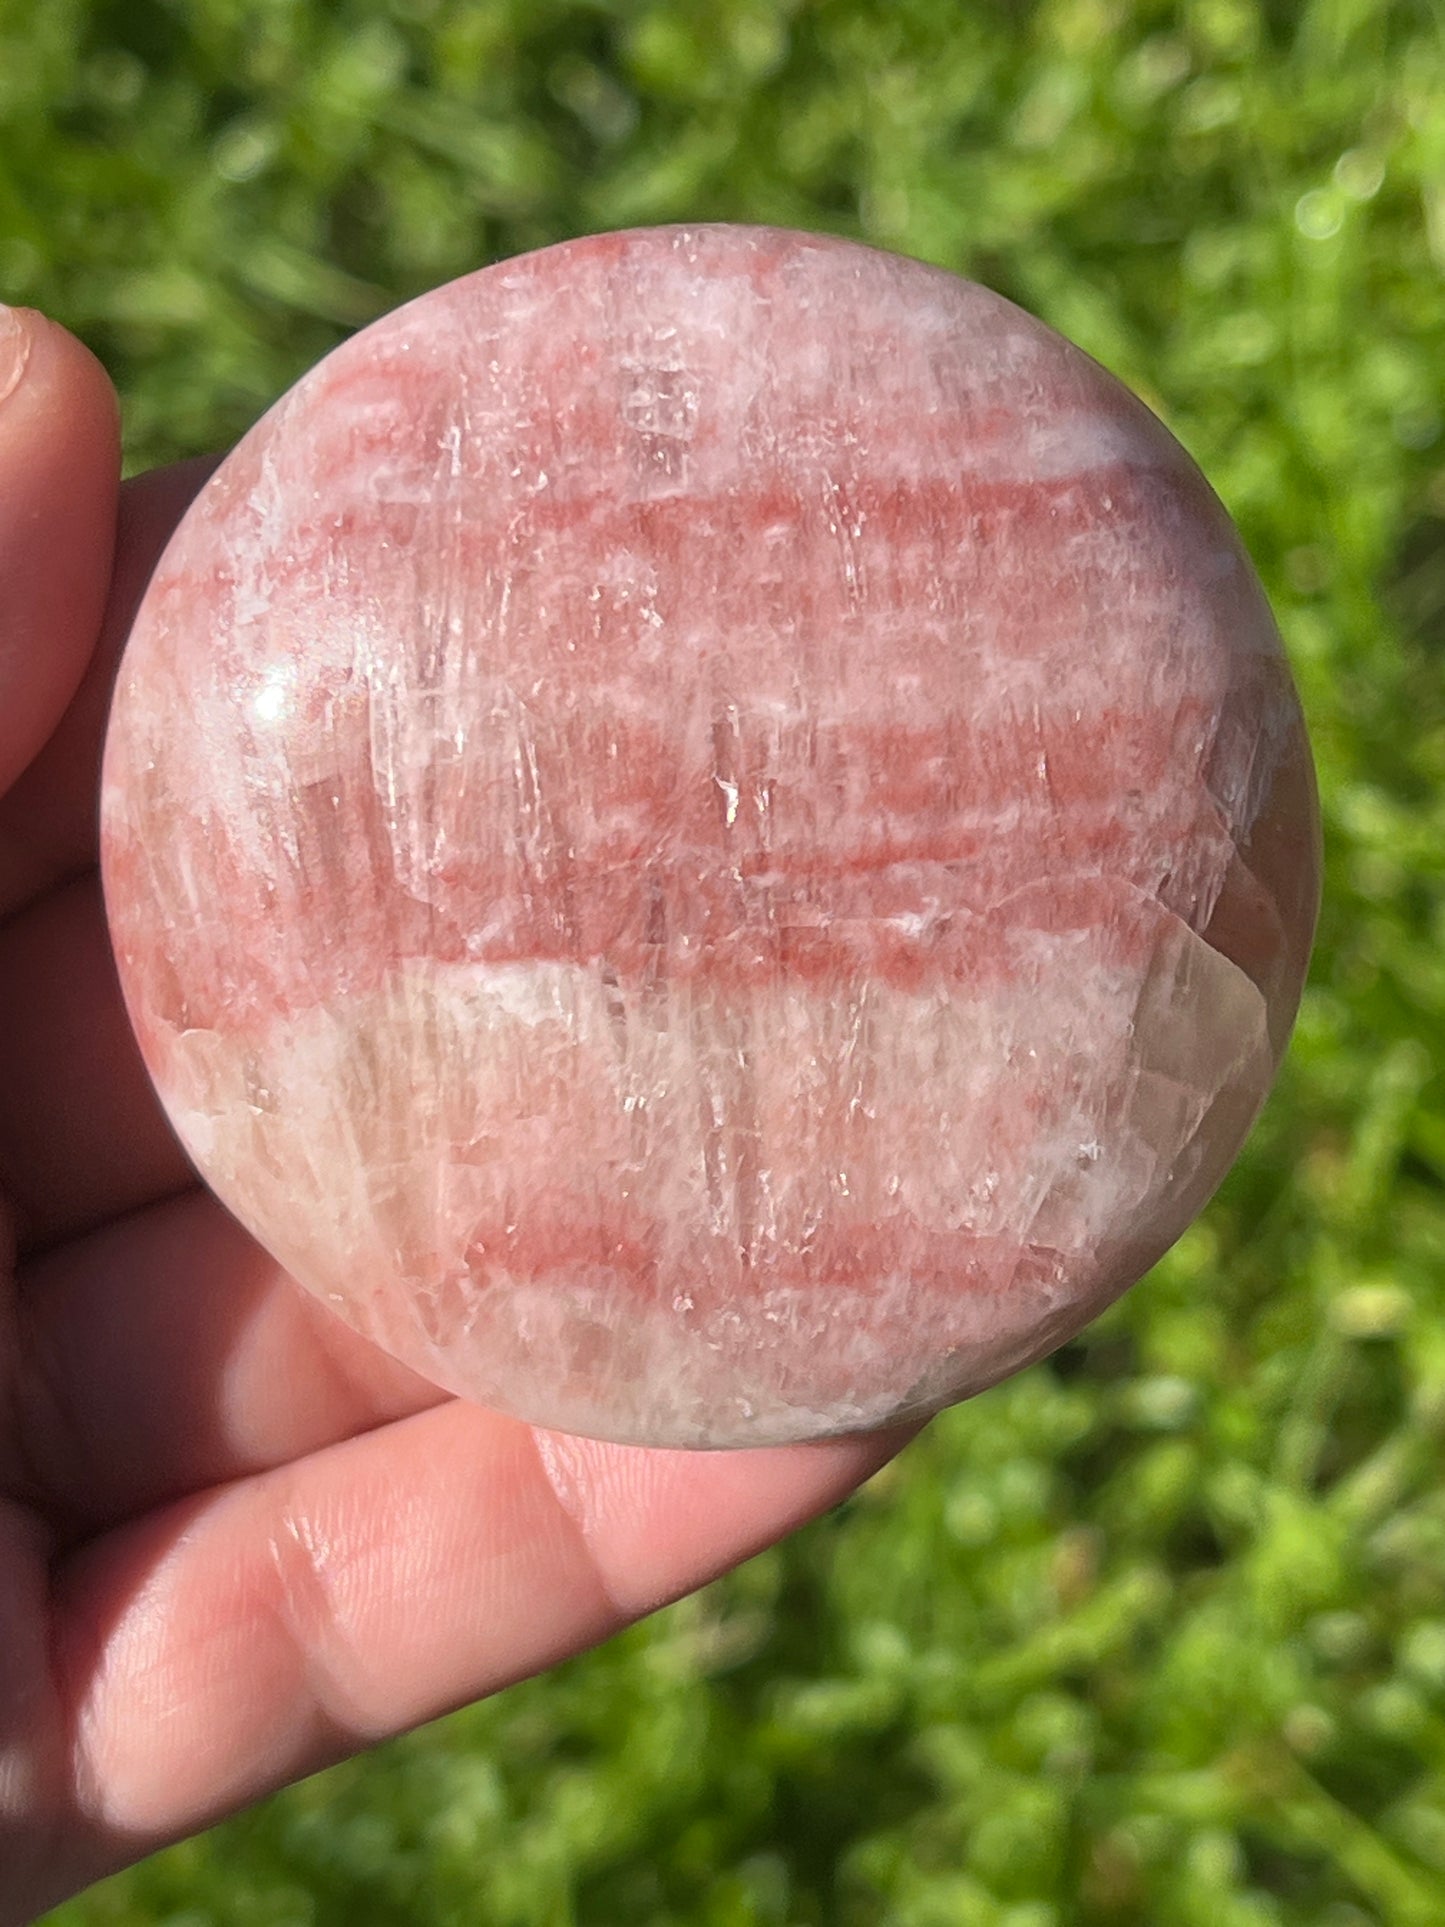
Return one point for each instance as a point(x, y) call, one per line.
point(59, 482)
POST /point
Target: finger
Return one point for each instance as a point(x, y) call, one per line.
point(167, 1354)
point(230, 1644)
point(59, 478)
point(82, 1135)
point(48, 816)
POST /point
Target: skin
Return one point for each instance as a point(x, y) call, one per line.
point(237, 1543)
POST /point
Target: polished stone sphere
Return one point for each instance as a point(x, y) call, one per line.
point(708, 836)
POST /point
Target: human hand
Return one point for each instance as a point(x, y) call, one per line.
point(236, 1542)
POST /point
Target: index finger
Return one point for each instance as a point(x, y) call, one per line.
point(48, 823)
point(59, 481)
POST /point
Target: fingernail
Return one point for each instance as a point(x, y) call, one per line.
point(14, 350)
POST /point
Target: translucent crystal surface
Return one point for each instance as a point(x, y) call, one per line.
point(709, 837)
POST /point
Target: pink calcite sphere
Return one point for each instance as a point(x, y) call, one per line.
point(708, 836)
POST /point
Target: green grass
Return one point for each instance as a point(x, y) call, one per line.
point(1156, 1632)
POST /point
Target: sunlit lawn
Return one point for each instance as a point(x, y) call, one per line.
point(1156, 1633)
